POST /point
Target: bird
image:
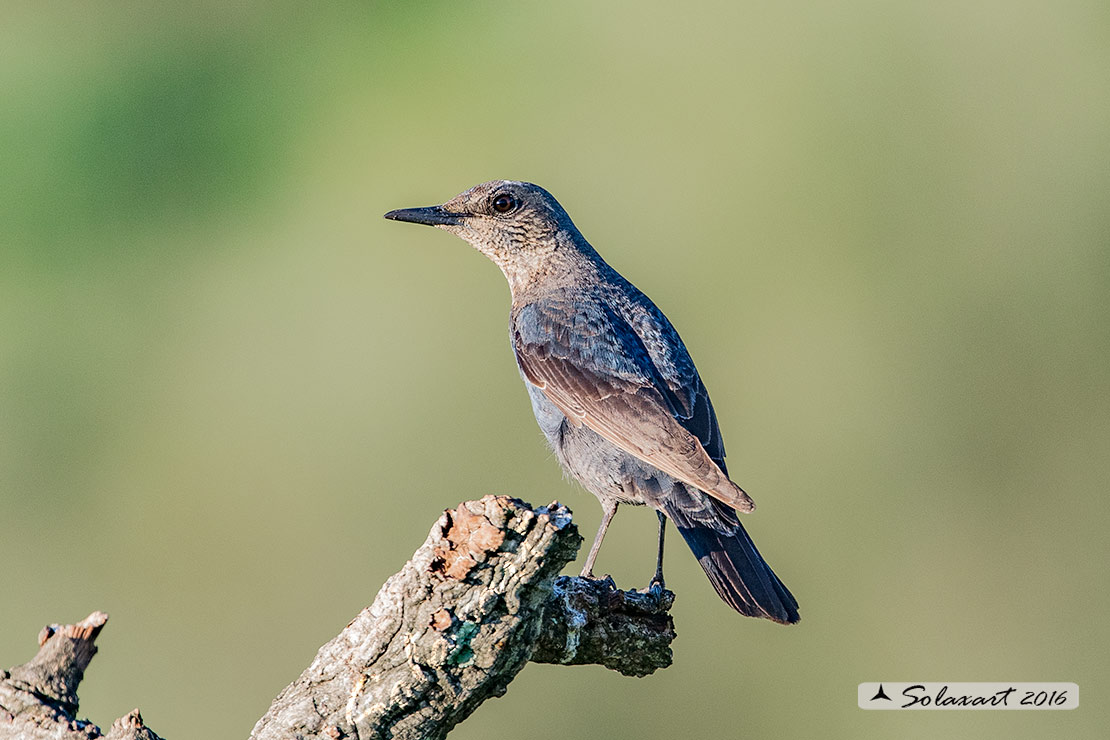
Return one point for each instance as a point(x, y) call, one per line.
point(613, 387)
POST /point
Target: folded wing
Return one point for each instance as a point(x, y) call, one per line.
point(596, 370)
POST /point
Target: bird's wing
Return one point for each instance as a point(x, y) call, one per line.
point(680, 382)
point(590, 363)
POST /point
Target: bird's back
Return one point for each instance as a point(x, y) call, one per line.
point(672, 361)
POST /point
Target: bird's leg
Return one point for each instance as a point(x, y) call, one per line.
point(657, 579)
point(608, 509)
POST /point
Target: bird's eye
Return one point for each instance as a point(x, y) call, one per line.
point(504, 203)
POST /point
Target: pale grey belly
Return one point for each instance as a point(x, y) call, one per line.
point(602, 468)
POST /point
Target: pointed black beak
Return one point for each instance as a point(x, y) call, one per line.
point(429, 216)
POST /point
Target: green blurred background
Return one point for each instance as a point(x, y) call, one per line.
point(234, 399)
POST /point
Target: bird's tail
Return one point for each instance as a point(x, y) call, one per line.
point(727, 554)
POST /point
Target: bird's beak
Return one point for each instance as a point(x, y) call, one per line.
point(429, 216)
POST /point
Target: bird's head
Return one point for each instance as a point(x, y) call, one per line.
point(518, 225)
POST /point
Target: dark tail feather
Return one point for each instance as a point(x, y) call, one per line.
point(734, 566)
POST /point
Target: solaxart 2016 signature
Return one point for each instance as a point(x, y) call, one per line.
point(950, 695)
point(917, 694)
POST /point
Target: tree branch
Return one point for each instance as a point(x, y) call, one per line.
point(39, 698)
point(591, 622)
point(476, 602)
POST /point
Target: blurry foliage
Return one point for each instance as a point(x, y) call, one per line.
point(136, 144)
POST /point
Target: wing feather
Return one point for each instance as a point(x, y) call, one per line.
point(625, 408)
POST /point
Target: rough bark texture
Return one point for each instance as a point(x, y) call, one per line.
point(476, 602)
point(455, 626)
point(39, 698)
point(591, 622)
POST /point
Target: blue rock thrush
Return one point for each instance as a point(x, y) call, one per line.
point(613, 387)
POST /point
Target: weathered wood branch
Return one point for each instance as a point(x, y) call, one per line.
point(477, 601)
point(458, 622)
point(39, 698)
point(591, 622)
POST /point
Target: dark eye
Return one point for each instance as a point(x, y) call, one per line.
point(503, 203)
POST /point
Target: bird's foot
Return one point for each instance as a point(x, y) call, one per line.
point(655, 598)
point(606, 579)
point(657, 586)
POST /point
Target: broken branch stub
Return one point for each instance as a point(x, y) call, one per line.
point(591, 622)
point(38, 700)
